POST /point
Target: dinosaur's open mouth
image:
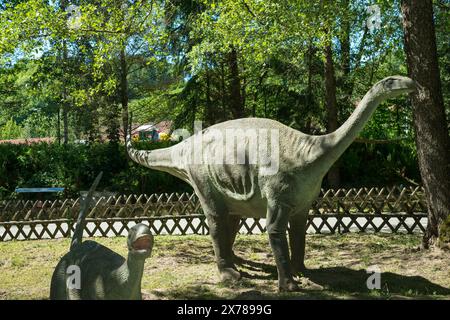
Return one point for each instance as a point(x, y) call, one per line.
point(143, 243)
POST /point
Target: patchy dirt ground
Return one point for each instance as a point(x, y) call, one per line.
point(182, 267)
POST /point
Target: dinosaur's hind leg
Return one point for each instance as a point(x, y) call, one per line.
point(297, 232)
point(220, 229)
point(221, 234)
point(277, 222)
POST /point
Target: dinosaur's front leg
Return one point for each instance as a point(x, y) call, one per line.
point(277, 221)
point(297, 233)
point(219, 228)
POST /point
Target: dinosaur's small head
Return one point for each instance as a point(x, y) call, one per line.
point(140, 241)
point(394, 86)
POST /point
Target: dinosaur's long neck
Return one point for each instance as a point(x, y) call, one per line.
point(132, 271)
point(334, 144)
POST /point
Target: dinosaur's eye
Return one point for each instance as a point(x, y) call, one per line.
point(389, 82)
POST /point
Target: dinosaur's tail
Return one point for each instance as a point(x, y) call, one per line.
point(84, 208)
point(159, 159)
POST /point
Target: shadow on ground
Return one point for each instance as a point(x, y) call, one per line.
point(323, 283)
point(270, 271)
point(341, 279)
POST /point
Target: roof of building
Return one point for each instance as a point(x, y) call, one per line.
point(163, 126)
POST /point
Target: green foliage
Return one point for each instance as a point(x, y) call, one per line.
point(10, 130)
point(379, 165)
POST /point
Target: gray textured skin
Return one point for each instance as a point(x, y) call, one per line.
point(228, 191)
point(104, 273)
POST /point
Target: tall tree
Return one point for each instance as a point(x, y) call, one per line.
point(236, 105)
point(332, 108)
point(431, 133)
point(123, 89)
point(64, 98)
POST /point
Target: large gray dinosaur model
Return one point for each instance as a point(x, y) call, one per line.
point(103, 274)
point(282, 192)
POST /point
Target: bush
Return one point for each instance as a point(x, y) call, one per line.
point(379, 165)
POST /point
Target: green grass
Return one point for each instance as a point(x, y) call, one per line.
point(182, 267)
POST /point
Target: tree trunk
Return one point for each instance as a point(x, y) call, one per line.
point(65, 117)
point(345, 45)
point(93, 132)
point(209, 114)
point(309, 89)
point(244, 88)
point(112, 122)
point(58, 131)
point(64, 83)
point(223, 91)
point(237, 109)
point(431, 134)
point(345, 82)
point(124, 90)
point(332, 111)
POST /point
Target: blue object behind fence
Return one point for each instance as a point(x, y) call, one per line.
point(30, 190)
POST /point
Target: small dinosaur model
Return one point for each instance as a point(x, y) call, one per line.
point(103, 274)
point(281, 192)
